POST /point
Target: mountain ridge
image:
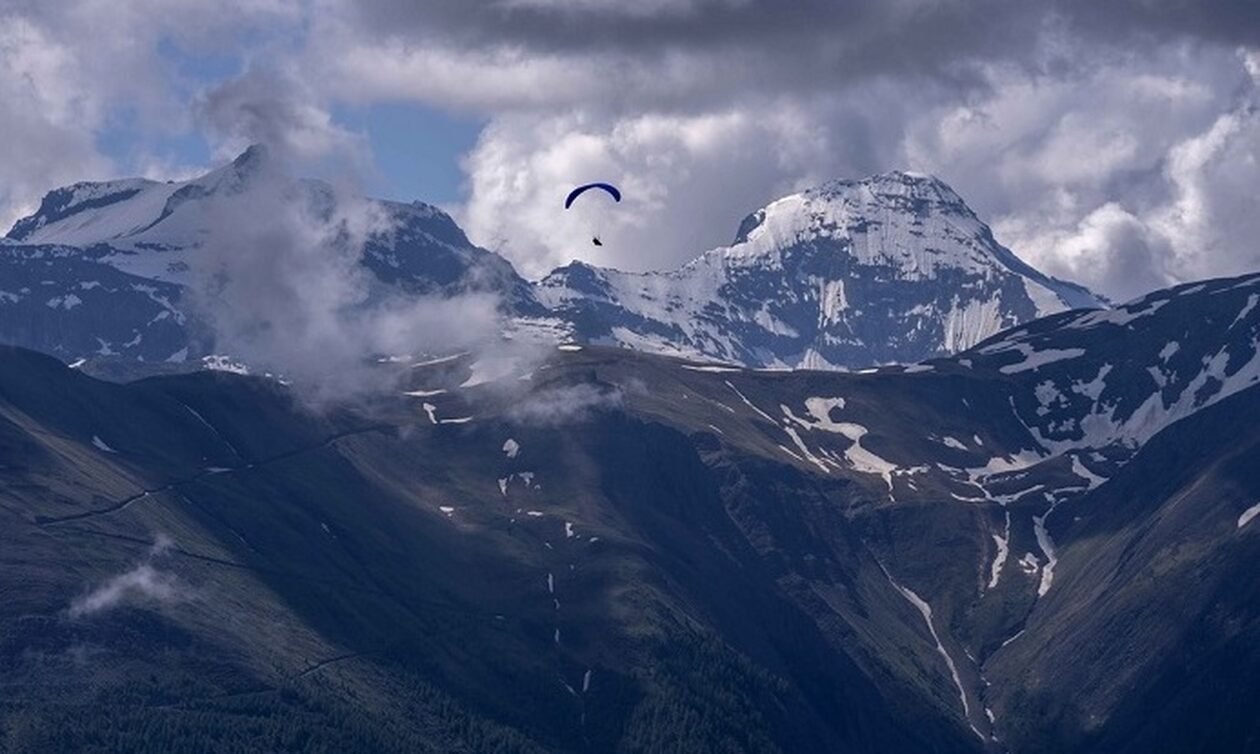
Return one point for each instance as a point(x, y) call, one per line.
point(894, 268)
point(964, 555)
point(842, 275)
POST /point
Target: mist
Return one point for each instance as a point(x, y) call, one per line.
point(281, 283)
point(143, 582)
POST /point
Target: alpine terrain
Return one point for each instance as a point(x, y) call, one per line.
point(1043, 543)
point(891, 269)
point(101, 272)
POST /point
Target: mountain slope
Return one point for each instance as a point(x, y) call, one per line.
point(620, 551)
point(136, 244)
point(221, 556)
point(891, 269)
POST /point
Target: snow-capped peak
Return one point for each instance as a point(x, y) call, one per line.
point(891, 268)
point(910, 222)
point(816, 209)
point(113, 211)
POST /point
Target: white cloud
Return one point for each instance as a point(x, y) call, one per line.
point(47, 119)
point(282, 286)
point(70, 69)
point(556, 405)
point(1089, 134)
point(686, 180)
point(1110, 249)
point(143, 583)
point(1062, 136)
point(267, 107)
point(1128, 180)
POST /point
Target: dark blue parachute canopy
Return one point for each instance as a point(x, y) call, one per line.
point(575, 193)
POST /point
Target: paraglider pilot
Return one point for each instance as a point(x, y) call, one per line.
point(575, 193)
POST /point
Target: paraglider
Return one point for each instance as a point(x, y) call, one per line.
point(610, 189)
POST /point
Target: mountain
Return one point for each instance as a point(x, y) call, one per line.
point(101, 270)
point(891, 269)
point(1026, 547)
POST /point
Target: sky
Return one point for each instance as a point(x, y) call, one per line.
point(1116, 144)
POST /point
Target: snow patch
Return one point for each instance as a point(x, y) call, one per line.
point(1034, 359)
point(1013, 638)
point(800, 444)
point(438, 360)
point(1252, 300)
point(749, 403)
point(1092, 479)
point(492, 369)
point(1029, 563)
point(1047, 547)
point(972, 323)
point(1248, 514)
point(926, 611)
point(67, 302)
point(1003, 550)
point(214, 362)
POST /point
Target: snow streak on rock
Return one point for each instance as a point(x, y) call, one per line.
point(926, 611)
point(1003, 543)
point(1248, 515)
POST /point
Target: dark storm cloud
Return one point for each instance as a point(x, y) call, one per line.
point(1090, 133)
point(1229, 22)
point(808, 44)
point(931, 38)
point(1101, 138)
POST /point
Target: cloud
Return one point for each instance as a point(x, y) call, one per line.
point(282, 287)
point(1071, 125)
point(70, 70)
point(1109, 249)
point(267, 107)
point(685, 180)
point(143, 583)
point(47, 120)
point(694, 53)
point(281, 282)
point(555, 405)
point(1127, 180)
point(1051, 162)
point(1054, 119)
